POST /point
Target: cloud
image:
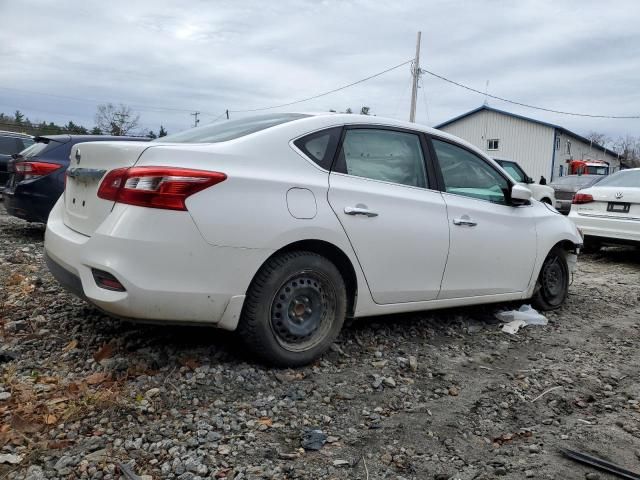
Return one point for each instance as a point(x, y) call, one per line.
point(168, 58)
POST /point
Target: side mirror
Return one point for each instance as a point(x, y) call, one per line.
point(520, 195)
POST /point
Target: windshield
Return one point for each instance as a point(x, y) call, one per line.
point(597, 170)
point(625, 178)
point(513, 169)
point(230, 130)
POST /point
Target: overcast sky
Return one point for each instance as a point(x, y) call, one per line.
point(167, 58)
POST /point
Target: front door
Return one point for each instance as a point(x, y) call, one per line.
point(493, 244)
point(379, 190)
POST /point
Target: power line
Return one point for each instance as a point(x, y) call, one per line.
point(458, 84)
point(324, 93)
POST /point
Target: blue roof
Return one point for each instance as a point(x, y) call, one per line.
point(522, 117)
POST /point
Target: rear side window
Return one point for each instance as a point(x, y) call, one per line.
point(385, 155)
point(230, 130)
point(320, 146)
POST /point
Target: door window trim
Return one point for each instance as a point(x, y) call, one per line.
point(440, 177)
point(430, 171)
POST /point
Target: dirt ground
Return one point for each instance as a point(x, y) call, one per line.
point(434, 395)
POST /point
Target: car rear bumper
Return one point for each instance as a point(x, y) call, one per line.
point(32, 207)
point(622, 231)
point(169, 272)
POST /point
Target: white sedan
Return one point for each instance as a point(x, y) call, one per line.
point(609, 212)
point(280, 226)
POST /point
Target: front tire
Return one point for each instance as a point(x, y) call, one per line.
point(294, 310)
point(552, 286)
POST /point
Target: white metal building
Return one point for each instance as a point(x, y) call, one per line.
point(540, 148)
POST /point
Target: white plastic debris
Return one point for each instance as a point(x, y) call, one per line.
point(10, 458)
point(515, 319)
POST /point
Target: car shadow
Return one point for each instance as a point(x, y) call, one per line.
point(618, 254)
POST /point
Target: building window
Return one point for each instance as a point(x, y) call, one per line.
point(569, 147)
point(557, 143)
point(492, 144)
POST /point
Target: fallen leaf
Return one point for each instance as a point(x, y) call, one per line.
point(55, 401)
point(265, 421)
point(50, 419)
point(60, 444)
point(105, 352)
point(46, 379)
point(96, 378)
point(70, 346)
point(21, 424)
point(15, 279)
point(190, 363)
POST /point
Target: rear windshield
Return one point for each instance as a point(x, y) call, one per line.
point(40, 147)
point(629, 178)
point(230, 130)
point(575, 180)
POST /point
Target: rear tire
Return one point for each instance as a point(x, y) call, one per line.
point(294, 310)
point(552, 286)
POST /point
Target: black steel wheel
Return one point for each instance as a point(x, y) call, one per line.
point(552, 286)
point(294, 310)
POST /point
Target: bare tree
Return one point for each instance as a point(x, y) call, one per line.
point(598, 138)
point(116, 120)
point(629, 149)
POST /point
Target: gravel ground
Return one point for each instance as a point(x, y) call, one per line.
point(432, 395)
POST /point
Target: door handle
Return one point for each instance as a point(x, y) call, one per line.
point(359, 211)
point(464, 221)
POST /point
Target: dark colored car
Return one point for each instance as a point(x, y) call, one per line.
point(37, 174)
point(567, 186)
point(10, 144)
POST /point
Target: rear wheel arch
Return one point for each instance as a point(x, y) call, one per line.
point(546, 200)
point(336, 256)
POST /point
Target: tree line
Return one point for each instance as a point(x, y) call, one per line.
point(109, 119)
point(628, 146)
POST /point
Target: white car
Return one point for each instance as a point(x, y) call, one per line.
point(280, 226)
point(542, 193)
point(609, 211)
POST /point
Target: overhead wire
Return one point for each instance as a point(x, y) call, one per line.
point(313, 97)
point(466, 87)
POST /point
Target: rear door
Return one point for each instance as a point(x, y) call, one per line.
point(493, 244)
point(386, 201)
point(89, 163)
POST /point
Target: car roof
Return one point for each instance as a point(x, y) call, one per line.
point(6, 133)
point(86, 138)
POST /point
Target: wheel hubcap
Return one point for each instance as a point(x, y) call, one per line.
point(302, 311)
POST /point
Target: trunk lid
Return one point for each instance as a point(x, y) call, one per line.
point(89, 163)
point(610, 201)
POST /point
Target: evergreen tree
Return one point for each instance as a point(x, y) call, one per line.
point(18, 117)
point(151, 135)
point(96, 131)
point(162, 132)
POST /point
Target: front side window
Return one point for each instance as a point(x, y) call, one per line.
point(230, 130)
point(320, 146)
point(385, 155)
point(465, 173)
point(493, 144)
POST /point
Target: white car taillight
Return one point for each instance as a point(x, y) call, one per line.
point(156, 187)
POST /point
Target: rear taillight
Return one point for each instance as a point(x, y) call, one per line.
point(31, 170)
point(156, 187)
point(580, 198)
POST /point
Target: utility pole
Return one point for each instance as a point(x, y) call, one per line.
point(195, 120)
point(227, 112)
point(415, 71)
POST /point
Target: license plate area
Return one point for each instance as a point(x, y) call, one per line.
point(618, 207)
